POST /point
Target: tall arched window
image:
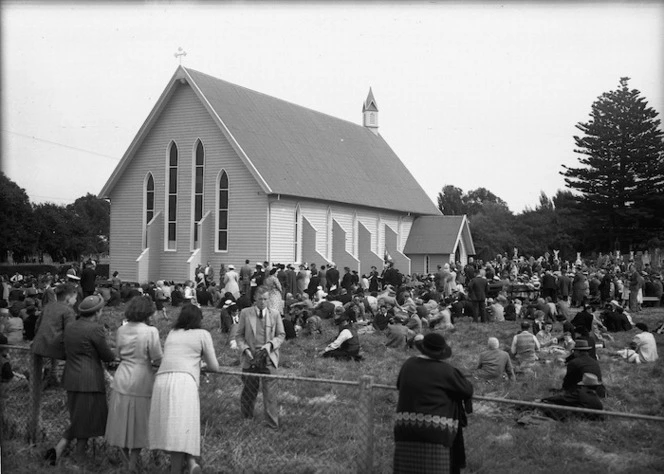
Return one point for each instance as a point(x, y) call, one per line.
point(172, 197)
point(296, 237)
point(222, 214)
point(149, 205)
point(198, 189)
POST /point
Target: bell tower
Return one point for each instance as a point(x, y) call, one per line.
point(370, 113)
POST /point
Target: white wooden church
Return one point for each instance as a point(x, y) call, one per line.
point(221, 173)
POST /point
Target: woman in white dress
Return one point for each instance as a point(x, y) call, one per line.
point(175, 411)
point(137, 348)
point(232, 282)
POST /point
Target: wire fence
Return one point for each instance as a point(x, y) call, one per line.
point(326, 426)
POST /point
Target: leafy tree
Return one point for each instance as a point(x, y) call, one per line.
point(450, 201)
point(476, 200)
point(493, 231)
point(54, 227)
point(622, 165)
point(16, 217)
point(92, 218)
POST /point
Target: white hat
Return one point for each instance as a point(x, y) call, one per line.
point(231, 267)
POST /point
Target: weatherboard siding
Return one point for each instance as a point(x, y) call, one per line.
point(282, 231)
point(184, 120)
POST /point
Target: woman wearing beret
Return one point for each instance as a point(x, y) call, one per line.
point(430, 411)
point(83, 378)
point(137, 347)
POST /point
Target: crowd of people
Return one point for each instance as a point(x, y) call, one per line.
point(154, 399)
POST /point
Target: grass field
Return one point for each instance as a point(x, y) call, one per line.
point(319, 423)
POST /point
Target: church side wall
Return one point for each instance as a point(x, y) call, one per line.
point(282, 226)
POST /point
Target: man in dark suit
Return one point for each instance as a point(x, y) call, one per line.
point(332, 277)
point(88, 279)
point(549, 286)
point(564, 286)
point(477, 290)
point(260, 328)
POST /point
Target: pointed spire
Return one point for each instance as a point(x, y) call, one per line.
point(370, 113)
point(370, 103)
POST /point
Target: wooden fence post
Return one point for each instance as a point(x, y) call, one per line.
point(365, 425)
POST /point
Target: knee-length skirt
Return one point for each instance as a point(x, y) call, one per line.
point(127, 425)
point(175, 414)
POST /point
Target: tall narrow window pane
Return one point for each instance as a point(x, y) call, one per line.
point(149, 205)
point(222, 213)
point(172, 197)
point(198, 190)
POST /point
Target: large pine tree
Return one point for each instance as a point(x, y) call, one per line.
point(621, 177)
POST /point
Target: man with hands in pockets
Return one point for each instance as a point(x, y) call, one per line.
point(260, 329)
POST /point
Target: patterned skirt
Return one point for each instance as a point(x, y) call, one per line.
point(411, 457)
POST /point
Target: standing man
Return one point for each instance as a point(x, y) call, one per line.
point(332, 277)
point(245, 278)
point(88, 279)
point(260, 329)
point(564, 286)
point(477, 290)
point(373, 279)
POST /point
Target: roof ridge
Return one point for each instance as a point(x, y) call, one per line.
point(281, 100)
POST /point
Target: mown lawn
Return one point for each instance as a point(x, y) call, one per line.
point(319, 431)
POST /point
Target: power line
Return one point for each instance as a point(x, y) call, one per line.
point(32, 137)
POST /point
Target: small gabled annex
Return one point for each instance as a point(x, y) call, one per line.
point(437, 240)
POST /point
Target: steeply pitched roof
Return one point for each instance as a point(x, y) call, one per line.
point(292, 150)
point(370, 103)
point(438, 235)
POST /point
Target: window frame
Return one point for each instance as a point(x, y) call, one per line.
point(219, 209)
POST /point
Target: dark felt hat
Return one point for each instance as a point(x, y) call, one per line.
point(581, 345)
point(434, 346)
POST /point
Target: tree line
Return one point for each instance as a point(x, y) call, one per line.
point(65, 232)
point(614, 200)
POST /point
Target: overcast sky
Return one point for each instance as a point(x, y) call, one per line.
point(474, 95)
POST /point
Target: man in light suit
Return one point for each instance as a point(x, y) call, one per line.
point(260, 328)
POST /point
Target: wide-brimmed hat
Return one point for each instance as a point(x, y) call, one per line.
point(231, 267)
point(91, 305)
point(590, 380)
point(615, 303)
point(73, 277)
point(434, 345)
point(581, 345)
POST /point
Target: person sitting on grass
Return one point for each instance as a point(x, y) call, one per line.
point(525, 346)
point(397, 334)
point(580, 363)
point(7, 373)
point(643, 347)
point(582, 395)
point(347, 344)
point(494, 363)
